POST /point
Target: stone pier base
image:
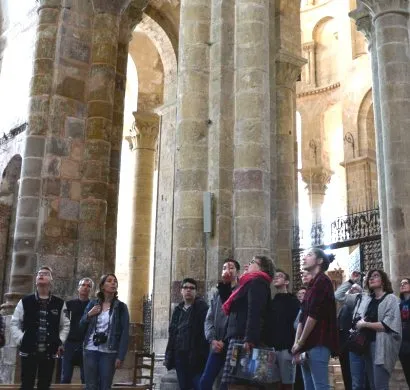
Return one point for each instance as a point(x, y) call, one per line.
point(8, 357)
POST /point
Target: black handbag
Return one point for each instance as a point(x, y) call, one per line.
point(358, 342)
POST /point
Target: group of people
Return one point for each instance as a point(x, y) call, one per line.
point(90, 333)
point(305, 330)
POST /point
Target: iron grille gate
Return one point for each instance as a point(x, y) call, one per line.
point(362, 229)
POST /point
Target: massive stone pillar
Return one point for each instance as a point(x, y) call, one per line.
point(252, 138)
point(390, 22)
point(144, 139)
point(63, 197)
point(221, 112)
point(191, 161)
point(365, 25)
point(288, 68)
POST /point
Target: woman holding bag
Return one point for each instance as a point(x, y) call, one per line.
point(247, 308)
point(380, 317)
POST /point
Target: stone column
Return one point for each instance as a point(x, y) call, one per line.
point(191, 161)
point(97, 175)
point(316, 180)
point(391, 21)
point(25, 248)
point(252, 138)
point(288, 68)
point(364, 25)
point(144, 139)
point(310, 69)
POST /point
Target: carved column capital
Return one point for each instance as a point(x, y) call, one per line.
point(379, 7)
point(144, 132)
point(363, 21)
point(316, 179)
point(134, 13)
point(115, 7)
point(309, 46)
point(288, 67)
point(160, 3)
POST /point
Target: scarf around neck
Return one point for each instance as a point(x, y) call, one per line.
point(243, 281)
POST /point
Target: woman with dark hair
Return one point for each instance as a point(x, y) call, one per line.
point(404, 354)
point(106, 339)
point(316, 334)
point(246, 309)
point(380, 317)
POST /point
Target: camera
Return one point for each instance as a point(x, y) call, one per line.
point(99, 338)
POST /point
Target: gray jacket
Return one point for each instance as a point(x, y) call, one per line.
point(387, 343)
point(215, 322)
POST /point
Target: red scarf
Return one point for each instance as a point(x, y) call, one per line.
point(243, 281)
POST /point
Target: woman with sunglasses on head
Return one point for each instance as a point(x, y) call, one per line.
point(106, 340)
point(404, 354)
point(379, 316)
point(246, 309)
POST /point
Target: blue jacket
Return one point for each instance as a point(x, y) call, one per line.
point(119, 330)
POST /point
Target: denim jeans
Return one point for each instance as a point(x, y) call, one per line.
point(99, 369)
point(36, 365)
point(357, 369)
point(73, 355)
point(378, 376)
point(316, 369)
point(186, 378)
point(213, 367)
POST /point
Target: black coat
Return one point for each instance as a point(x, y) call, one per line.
point(248, 312)
point(199, 347)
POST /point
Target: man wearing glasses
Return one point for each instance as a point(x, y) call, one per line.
point(187, 349)
point(39, 326)
point(73, 348)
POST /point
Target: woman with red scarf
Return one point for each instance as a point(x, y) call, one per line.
point(247, 308)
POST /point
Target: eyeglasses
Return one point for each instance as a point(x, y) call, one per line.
point(188, 288)
point(404, 283)
point(42, 273)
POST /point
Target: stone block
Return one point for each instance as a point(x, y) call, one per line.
point(252, 232)
point(91, 170)
point(37, 125)
point(102, 83)
point(74, 128)
point(65, 188)
point(69, 210)
point(105, 53)
point(30, 187)
point(58, 246)
point(23, 244)
point(51, 187)
point(57, 146)
point(75, 190)
point(28, 207)
point(77, 50)
point(26, 227)
point(31, 167)
point(97, 150)
point(52, 166)
point(72, 88)
point(251, 203)
point(70, 169)
point(93, 210)
point(41, 84)
point(99, 129)
point(100, 109)
point(35, 146)
point(96, 190)
point(248, 179)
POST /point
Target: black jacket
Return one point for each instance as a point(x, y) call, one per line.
point(75, 309)
point(248, 312)
point(29, 343)
point(199, 347)
point(280, 332)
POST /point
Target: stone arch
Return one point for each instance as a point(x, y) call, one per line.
point(325, 36)
point(365, 127)
point(8, 201)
